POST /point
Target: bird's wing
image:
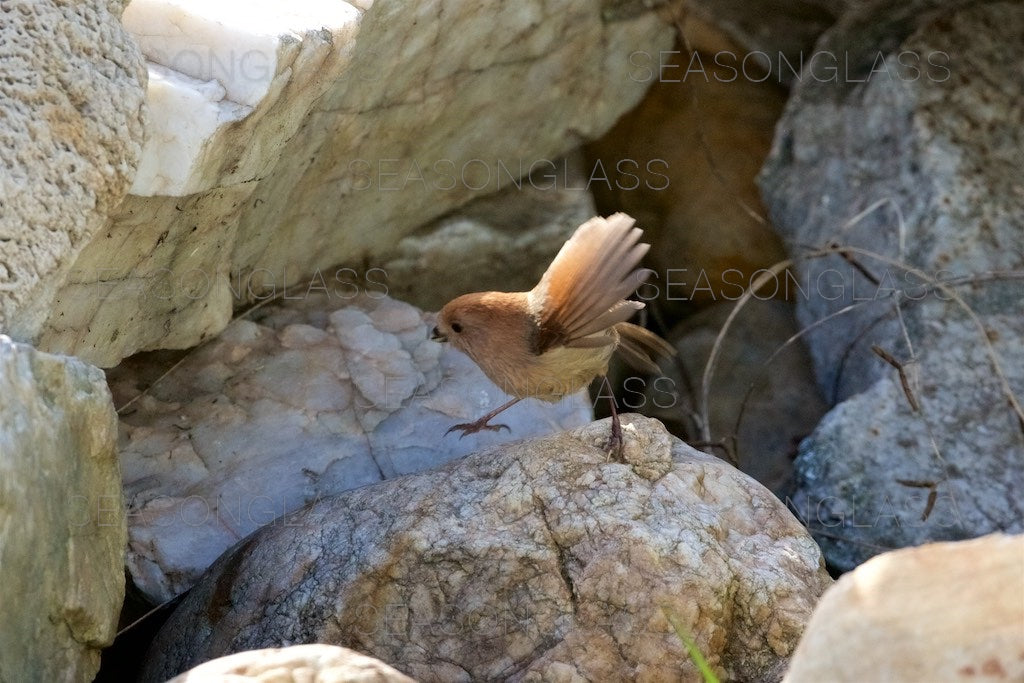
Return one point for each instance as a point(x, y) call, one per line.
point(584, 289)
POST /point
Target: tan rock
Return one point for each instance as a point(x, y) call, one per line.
point(938, 612)
point(295, 664)
point(62, 524)
point(535, 560)
point(354, 146)
point(683, 162)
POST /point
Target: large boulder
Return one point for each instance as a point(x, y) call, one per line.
point(909, 152)
point(71, 102)
point(536, 560)
point(287, 140)
point(62, 522)
point(939, 612)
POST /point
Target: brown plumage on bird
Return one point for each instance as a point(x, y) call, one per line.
point(553, 340)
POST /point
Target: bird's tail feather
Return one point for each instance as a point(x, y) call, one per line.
point(640, 347)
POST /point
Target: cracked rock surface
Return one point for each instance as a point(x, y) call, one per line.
point(534, 560)
point(921, 167)
point(403, 113)
point(295, 403)
point(62, 526)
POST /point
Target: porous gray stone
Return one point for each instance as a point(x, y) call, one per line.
point(71, 102)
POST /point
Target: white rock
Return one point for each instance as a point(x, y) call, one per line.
point(297, 406)
point(215, 63)
point(295, 664)
point(186, 113)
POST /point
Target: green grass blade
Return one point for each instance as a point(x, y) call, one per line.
point(691, 647)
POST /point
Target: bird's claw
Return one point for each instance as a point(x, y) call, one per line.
point(474, 427)
point(613, 447)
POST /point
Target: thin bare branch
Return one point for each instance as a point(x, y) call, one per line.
point(994, 359)
point(904, 382)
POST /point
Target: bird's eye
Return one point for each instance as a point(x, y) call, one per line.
point(456, 328)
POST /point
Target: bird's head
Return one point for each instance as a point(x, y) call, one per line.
point(472, 322)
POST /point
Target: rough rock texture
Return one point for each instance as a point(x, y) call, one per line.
point(294, 405)
point(763, 399)
point(877, 475)
point(940, 612)
point(919, 163)
point(62, 524)
point(295, 664)
point(399, 137)
point(537, 560)
point(502, 242)
point(938, 144)
point(683, 163)
point(71, 103)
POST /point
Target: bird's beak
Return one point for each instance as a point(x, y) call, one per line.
point(436, 335)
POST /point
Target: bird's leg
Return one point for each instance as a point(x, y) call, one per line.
point(614, 446)
point(481, 424)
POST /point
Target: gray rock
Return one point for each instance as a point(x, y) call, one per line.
point(916, 144)
point(62, 524)
point(913, 154)
point(878, 475)
point(778, 35)
point(535, 560)
point(763, 398)
point(297, 404)
point(296, 664)
point(71, 102)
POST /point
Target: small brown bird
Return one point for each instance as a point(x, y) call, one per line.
point(553, 340)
